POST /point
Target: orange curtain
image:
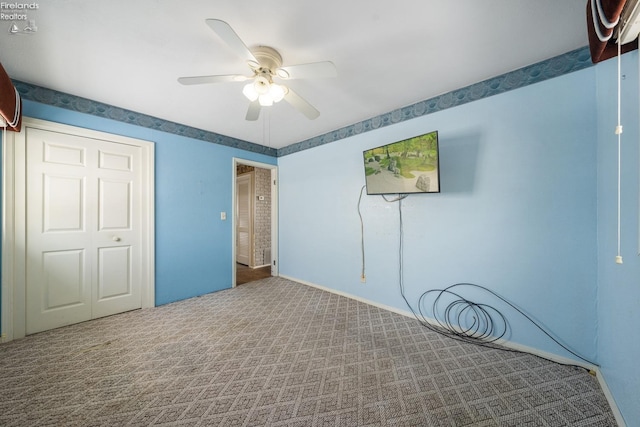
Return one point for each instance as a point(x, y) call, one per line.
point(10, 102)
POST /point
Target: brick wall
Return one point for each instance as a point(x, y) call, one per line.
point(262, 217)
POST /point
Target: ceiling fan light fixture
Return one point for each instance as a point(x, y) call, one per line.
point(265, 100)
point(276, 92)
point(250, 92)
point(261, 85)
point(265, 92)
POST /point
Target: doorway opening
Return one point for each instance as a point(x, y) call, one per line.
point(254, 221)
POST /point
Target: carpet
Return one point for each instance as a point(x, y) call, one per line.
point(278, 353)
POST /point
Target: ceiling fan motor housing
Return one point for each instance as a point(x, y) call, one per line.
point(269, 60)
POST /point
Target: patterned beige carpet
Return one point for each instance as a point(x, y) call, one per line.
point(278, 353)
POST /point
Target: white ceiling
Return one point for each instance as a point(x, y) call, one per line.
point(389, 54)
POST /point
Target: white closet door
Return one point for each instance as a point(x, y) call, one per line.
point(117, 239)
point(83, 229)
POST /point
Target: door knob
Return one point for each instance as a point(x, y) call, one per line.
point(116, 239)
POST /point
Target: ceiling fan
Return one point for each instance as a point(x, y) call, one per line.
point(266, 64)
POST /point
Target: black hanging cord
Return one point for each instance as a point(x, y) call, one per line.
point(362, 273)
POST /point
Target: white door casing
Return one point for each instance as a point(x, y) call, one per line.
point(118, 267)
point(274, 214)
point(244, 219)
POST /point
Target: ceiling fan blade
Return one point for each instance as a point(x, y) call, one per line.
point(254, 111)
point(314, 70)
point(301, 104)
point(230, 37)
point(198, 80)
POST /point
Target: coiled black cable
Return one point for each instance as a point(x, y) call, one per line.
point(461, 318)
point(485, 328)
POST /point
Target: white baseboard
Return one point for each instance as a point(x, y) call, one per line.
point(607, 393)
point(502, 342)
point(260, 266)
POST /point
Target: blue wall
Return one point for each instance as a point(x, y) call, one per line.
point(619, 285)
point(193, 184)
point(517, 212)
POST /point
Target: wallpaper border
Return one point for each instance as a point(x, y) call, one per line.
point(563, 64)
point(554, 67)
point(83, 105)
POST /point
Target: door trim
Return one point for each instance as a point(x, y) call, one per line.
point(14, 223)
point(274, 214)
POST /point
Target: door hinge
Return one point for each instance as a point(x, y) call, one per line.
point(274, 262)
